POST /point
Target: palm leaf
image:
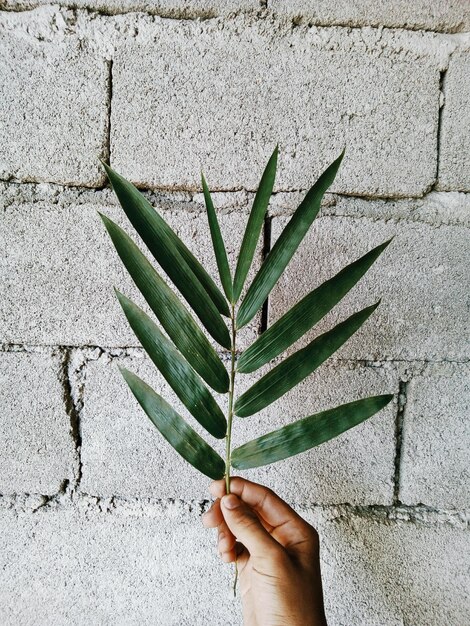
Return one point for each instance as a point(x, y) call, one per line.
point(176, 370)
point(302, 317)
point(217, 242)
point(173, 256)
point(286, 245)
point(173, 316)
point(295, 368)
point(255, 223)
point(176, 431)
point(306, 433)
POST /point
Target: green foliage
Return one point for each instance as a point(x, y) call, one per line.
point(186, 357)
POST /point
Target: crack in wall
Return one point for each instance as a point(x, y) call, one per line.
point(109, 85)
point(399, 422)
point(266, 249)
point(73, 380)
point(441, 92)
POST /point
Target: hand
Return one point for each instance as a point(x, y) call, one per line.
point(277, 554)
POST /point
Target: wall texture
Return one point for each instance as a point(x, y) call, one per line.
point(99, 518)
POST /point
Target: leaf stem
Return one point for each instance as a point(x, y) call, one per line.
point(228, 436)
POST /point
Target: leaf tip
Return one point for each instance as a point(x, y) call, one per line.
point(106, 166)
point(387, 398)
point(124, 371)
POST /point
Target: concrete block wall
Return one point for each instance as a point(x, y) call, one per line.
point(100, 519)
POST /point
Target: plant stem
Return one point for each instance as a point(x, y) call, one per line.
point(228, 436)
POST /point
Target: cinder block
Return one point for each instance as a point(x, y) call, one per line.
point(60, 266)
point(447, 16)
point(168, 8)
point(184, 86)
point(454, 144)
point(436, 438)
point(395, 573)
point(36, 451)
point(422, 279)
point(70, 567)
point(356, 467)
point(53, 95)
point(163, 569)
point(123, 453)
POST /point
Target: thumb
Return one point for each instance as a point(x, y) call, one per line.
point(247, 528)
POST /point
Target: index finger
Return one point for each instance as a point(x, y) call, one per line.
point(288, 527)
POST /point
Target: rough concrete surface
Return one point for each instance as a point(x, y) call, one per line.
point(450, 16)
point(434, 465)
point(447, 15)
point(454, 162)
point(357, 467)
point(99, 516)
point(422, 279)
point(66, 296)
point(172, 8)
point(83, 566)
point(53, 94)
point(37, 453)
point(123, 454)
point(99, 569)
point(395, 574)
point(176, 107)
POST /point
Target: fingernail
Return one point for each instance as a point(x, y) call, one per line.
point(231, 501)
point(221, 536)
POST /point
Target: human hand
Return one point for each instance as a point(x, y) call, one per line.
point(277, 554)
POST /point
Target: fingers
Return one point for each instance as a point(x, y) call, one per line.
point(247, 528)
point(226, 543)
point(285, 525)
point(269, 505)
point(213, 517)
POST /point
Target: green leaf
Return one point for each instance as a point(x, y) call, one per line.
point(176, 431)
point(217, 242)
point(173, 256)
point(206, 281)
point(176, 370)
point(302, 317)
point(295, 368)
point(255, 223)
point(173, 316)
point(306, 433)
point(286, 245)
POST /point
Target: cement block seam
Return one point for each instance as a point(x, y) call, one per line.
point(419, 514)
point(437, 208)
point(447, 23)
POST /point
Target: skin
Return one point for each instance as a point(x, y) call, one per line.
point(277, 553)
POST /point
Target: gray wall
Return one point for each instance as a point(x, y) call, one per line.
point(100, 519)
